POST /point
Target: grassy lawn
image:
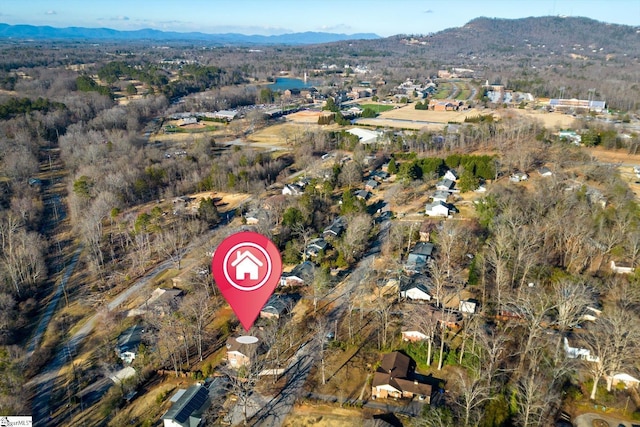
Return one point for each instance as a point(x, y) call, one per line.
point(378, 108)
point(444, 91)
point(207, 128)
point(464, 94)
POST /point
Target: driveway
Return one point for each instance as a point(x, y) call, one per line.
point(586, 420)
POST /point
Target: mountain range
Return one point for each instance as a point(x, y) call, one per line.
point(22, 32)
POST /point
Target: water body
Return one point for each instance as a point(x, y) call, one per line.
point(284, 83)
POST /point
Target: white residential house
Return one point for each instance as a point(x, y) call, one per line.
point(414, 335)
point(626, 379)
point(468, 307)
point(440, 196)
point(292, 190)
point(519, 176)
point(451, 175)
point(545, 171)
point(437, 209)
point(621, 267)
point(246, 264)
point(445, 185)
point(415, 292)
point(578, 353)
point(129, 343)
point(188, 407)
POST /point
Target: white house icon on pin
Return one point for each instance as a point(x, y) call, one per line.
point(246, 264)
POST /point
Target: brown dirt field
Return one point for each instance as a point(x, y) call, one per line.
point(309, 117)
point(409, 112)
point(441, 118)
point(281, 133)
point(550, 120)
point(228, 201)
point(613, 156)
point(323, 416)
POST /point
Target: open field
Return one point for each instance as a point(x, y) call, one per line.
point(549, 120)
point(378, 108)
point(444, 91)
point(323, 416)
point(285, 134)
point(306, 116)
point(409, 112)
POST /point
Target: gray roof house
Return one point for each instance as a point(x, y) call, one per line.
point(445, 185)
point(128, 343)
point(419, 255)
point(415, 290)
point(302, 274)
point(187, 410)
point(363, 194)
point(316, 246)
point(335, 229)
point(278, 305)
point(440, 196)
point(437, 209)
point(371, 184)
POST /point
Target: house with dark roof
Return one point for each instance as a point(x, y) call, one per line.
point(415, 290)
point(396, 378)
point(302, 274)
point(445, 185)
point(128, 343)
point(371, 184)
point(363, 194)
point(379, 175)
point(292, 190)
point(420, 255)
point(187, 410)
point(316, 246)
point(278, 305)
point(335, 229)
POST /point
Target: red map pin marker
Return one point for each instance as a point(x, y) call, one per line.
point(247, 268)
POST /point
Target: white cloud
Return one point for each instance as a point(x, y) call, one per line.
point(337, 28)
point(51, 12)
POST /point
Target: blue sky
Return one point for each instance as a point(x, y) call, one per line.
point(266, 17)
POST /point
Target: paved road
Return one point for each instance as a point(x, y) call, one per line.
point(272, 413)
point(51, 308)
point(47, 379)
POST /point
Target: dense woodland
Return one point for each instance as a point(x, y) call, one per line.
point(74, 166)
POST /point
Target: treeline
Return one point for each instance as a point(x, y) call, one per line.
point(85, 83)
point(150, 75)
point(408, 166)
point(16, 106)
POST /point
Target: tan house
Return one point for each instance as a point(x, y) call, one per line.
point(241, 350)
point(395, 378)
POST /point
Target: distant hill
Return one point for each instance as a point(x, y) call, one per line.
point(22, 32)
point(549, 35)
